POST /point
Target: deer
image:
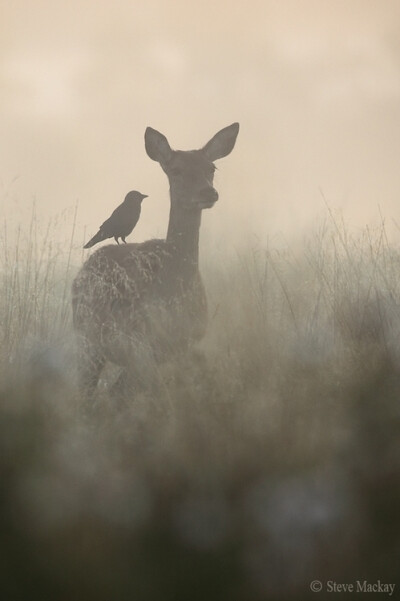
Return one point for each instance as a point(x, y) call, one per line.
point(140, 304)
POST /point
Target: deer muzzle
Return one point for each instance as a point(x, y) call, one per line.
point(207, 197)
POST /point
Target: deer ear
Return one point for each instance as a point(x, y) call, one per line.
point(157, 146)
point(222, 143)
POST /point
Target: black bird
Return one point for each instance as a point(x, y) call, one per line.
point(122, 220)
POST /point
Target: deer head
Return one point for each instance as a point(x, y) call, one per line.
point(191, 172)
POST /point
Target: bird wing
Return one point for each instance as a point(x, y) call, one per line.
point(105, 226)
point(109, 223)
point(122, 220)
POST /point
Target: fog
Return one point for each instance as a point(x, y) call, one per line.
point(267, 454)
point(314, 84)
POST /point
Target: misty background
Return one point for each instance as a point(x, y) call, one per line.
point(315, 85)
point(270, 455)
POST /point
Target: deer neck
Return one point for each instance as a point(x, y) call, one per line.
point(183, 235)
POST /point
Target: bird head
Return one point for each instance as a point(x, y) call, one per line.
point(134, 196)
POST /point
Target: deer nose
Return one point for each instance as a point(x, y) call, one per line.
point(209, 194)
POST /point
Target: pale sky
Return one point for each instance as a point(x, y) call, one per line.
point(315, 85)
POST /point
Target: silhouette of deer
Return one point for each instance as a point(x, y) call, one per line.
point(137, 305)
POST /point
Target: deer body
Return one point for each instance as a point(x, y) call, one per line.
point(141, 302)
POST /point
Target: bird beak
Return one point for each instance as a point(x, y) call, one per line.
point(145, 195)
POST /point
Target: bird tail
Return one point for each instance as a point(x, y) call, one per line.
point(97, 238)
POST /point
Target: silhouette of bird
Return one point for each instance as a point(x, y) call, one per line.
point(122, 220)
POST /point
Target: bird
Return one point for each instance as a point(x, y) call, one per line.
point(122, 221)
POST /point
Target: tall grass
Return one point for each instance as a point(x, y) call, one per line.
point(266, 462)
point(36, 272)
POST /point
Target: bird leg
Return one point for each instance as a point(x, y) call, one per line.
point(116, 239)
point(123, 239)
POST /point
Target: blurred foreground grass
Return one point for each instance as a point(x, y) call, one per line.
point(273, 462)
